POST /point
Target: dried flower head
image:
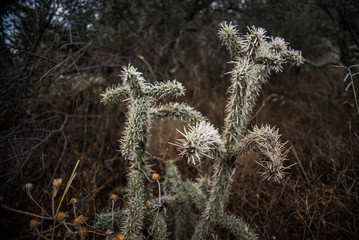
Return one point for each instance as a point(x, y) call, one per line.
point(113, 197)
point(34, 223)
point(73, 200)
point(120, 236)
point(78, 220)
point(198, 142)
point(60, 216)
point(155, 176)
point(57, 183)
point(28, 186)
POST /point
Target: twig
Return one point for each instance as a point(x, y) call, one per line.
point(149, 66)
point(63, 62)
point(42, 232)
point(30, 196)
point(23, 212)
point(68, 229)
point(351, 75)
point(39, 234)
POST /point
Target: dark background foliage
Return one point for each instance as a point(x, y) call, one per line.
point(58, 56)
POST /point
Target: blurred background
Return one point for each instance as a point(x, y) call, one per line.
point(57, 57)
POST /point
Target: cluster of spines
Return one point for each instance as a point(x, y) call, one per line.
point(177, 110)
point(135, 209)
point(272, 152)
point(165, 89)
point(254, 58)
point(104, 220)
point(199, 141)
point(257, 46)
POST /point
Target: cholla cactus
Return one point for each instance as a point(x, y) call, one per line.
point(140, 96)
point(255, 56)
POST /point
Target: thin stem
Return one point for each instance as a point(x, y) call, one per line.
point(159, 191)
point(112, 212)
point(32, 199)
point(68, 229)
point(39, 234)
point(53, 205)
point(158, 208)
point(354, 92)
point(23, 212)
point(74, 207)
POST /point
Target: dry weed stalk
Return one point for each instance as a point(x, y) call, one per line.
point(77, 228)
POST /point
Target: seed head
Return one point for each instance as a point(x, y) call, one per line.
point(57, 183)
point(28, 186)
point(155, 176)
point(120, 236)
point(78, 220)
point(34, 223)
point(61, 216)
point(113, 197)
point(73, 200)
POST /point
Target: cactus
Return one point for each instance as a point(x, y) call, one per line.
point(255, 56)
